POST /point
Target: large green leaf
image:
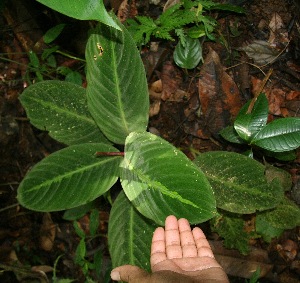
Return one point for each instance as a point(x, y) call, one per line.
point(231, 228)
point(230, 134)
point(188, 55)
point(117, 88)
point(284, 216)
point(129, 234)
point(280, 135)
point(68, 178)
point(239, 182)
point(61, 108)
point(249, 124)
point(82, 10)
point(160, 180)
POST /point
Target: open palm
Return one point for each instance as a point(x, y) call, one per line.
point(178, 254)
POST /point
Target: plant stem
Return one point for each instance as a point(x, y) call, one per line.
point(70, 56)
point(100, 153)
point(257, 93)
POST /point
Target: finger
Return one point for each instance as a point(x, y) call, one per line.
point(188, 245)
point(158, 247)
point(129, 273)
point(202, 245)
point(172, 238)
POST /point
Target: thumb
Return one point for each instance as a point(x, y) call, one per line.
point(129, 273)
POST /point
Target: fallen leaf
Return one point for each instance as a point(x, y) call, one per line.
point(47, 233)
point(278, 34)
point(261, 52)
point(219, 96)
point(42, 268)
point(126, 10)
point(275, 96)
point(154, 108)
point(171, 80)
point(235, 264)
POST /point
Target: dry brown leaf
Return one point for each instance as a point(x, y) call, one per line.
point(171, 80)
point(278, 34)
point(219, 96)
point(42, 268)
point(238, 265)
point(261, 52)
point(170, 3)
point(154, 108)
point(276, 97)
point(126, 10)
point(47, 233)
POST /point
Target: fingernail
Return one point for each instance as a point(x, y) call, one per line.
point(115, 275)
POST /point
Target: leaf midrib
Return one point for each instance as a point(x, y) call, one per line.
point(63, 110)
point(117, 83)
point(69, 174)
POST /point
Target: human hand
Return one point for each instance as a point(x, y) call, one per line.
point(178, 254)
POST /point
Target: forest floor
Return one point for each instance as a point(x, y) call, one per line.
point(34, 241)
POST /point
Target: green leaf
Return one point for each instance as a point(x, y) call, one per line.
point(196, 31)
point(228, 7)
point(78, 230)
point(61, 108)
point(231, 228)
point(239, 182)
point(94, 222)
point(79, 211)
point(48, 52)
point(283, 156)
point(82, 10)
point(285, 178)
point(74, 77)
point(248, 125)
point(280, 135)
point(265, 229)
point(160, 180)
point(68, 178)
point(53, 33)
point(34, 60)
point(230, 134)
point(80, 252)
point(98, 261)
point(117, 89)
point(190, 55)
point(284, 216)
point(129, 235)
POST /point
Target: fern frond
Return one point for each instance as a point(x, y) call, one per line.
point(177, 19)
point(181, 35)
point(141, 29)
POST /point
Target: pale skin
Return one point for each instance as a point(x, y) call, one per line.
point(178, 254)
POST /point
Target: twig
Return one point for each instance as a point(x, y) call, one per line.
point(262, 85)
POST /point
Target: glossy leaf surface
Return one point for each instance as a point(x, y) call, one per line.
point(160, 180)
point(189, 55)
point(69, 178)
point(249, 124)
point(117, 89)
point(280, 135)
point(82, 10)
point(129, 235)
point(61, 108)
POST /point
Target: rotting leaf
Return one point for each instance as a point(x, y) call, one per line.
point(219, 96)
point(261, 52)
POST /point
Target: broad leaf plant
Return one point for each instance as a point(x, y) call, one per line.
point(104, 128)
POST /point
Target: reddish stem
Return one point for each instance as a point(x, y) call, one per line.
point(109, 153)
